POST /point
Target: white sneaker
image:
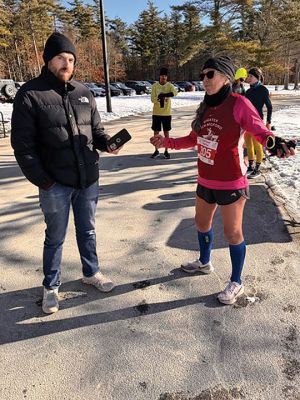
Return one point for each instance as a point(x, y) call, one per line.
point(100, 281)
point(196, 266)
point(232, 291)
point(50, 301)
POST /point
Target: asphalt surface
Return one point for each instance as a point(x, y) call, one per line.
point(161, 334)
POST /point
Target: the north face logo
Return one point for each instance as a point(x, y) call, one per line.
point(83, 99)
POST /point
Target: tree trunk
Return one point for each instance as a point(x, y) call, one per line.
point(20, 74)
point(8, 64)
point(287, 69)
point(296, 80)
point(35, 47)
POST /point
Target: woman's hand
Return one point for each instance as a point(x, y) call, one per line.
point(279, 147)
point(157, 141)
point(286, 152)
point(114, 151)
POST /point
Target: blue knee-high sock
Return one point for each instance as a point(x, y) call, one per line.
point(205, 243)
point(237, 255)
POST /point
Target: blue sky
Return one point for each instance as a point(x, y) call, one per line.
point(129, 10)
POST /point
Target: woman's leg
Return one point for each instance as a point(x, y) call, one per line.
point(258, 151)
point(250, 148)
point(203, 219)
point(232, 217)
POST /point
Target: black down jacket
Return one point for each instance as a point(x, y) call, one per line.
point(56, 130)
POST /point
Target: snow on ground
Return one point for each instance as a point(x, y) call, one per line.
point(283, 178)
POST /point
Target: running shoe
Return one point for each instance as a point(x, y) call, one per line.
point(50, 303)
point(254, 174)
point(100, 281)
point(167, 155)
point(249, 170)
point(196, 266)
point(232, 291)
point(155, 154)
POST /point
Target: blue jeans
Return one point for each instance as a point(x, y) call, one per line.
point(55, 204)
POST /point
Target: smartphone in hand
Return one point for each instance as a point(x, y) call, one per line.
point(119, 139)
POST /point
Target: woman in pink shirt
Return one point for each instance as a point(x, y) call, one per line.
point(218, 131)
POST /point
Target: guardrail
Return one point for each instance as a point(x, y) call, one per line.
point(2, 125)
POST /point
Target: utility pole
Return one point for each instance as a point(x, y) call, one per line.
point(105, 58)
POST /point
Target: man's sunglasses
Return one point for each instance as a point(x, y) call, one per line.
point(208, 75)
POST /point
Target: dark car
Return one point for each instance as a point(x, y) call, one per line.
point(198, 85)
point(95, 90)
point(177, 87)
point(127, 91)
point(147, 84)
point(113, 90)
point(139, 87)
point(187, 86)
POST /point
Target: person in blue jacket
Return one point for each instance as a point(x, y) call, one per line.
point(259, 96)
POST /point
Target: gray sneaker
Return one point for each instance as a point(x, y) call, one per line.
point(232, 291)
point(196, 266)
point(254, 174)
point(100, 281)
point(50, 301)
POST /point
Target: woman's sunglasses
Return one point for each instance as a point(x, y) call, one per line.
point(208, 75)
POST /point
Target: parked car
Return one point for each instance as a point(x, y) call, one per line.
point(147, 84)
point(139, 87)
point(177, 87)
point(187, 86)
point(19, 84)
point(95, 90)
point(150, 81)
point(114, 91)
point(198, 85)
point(126, 91)
point(8, 89)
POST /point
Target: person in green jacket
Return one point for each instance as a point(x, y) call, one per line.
point(161, 94)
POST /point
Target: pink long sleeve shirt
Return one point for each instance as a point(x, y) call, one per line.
point(221, 164)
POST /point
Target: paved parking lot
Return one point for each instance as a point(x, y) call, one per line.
point(160, 335)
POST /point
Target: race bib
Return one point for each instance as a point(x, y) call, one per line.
point(207, 150)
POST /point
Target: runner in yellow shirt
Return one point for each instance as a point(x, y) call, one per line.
point(161, 94)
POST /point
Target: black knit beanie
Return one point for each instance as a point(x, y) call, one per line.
point(56, 44)
point(163, 71)
point(222, 64)
point(255, 72)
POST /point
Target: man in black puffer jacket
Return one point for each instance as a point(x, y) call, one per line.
point(56, 132)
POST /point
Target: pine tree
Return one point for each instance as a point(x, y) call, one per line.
point(84, 20)
point(146, 38)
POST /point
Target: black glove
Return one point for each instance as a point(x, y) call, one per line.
point(274, 143)
point(170, 94)
point(161, 98)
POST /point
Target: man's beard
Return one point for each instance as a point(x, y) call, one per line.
point(64, 75)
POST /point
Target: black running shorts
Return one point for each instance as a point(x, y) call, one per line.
point(161, 120)
point(222, 197)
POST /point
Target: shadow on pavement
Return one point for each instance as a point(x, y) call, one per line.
point(21, 316)
point(262, 222)
point(122, 162)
